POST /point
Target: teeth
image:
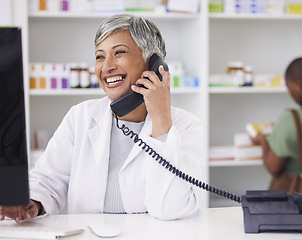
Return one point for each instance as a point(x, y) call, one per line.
point(113, 80)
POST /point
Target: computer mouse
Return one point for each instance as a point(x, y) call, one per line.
point(105, 230)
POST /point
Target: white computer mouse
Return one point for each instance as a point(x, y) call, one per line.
point(105, 230)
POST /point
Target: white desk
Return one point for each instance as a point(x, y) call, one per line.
point(212, 223)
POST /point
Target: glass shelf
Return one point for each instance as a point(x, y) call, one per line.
point(234, 163)
point(151, 15)
point(256, 16)
point(96, 91)
point(241, 90)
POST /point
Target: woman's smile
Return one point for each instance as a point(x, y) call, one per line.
point(114, 81)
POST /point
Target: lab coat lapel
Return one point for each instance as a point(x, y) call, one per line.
point(99, 136)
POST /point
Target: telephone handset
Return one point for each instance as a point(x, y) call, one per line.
point(132, 100)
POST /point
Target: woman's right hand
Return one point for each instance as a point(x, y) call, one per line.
point(19, 213)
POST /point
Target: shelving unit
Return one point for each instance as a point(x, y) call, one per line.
point(268, 43)
point(205, 43)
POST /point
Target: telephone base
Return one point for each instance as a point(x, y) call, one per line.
point(271, 211)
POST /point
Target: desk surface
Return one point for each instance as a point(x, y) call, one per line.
point(212, 223)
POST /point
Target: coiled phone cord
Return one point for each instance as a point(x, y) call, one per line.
point(128, 132)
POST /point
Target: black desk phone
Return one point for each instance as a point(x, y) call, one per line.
point(263, 210)
point(272, 211)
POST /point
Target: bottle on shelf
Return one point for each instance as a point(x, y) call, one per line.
point(84, 76)
point(94, 82)
point(64, 5)
point(42, 77)
point(54, 77)
point(33, 77)
point(236, 72)
point(64, 76)
point(42, 5)
point(248, 76)
point(74, 76)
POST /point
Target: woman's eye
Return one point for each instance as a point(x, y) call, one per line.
point(119, 52)
point(99, 57)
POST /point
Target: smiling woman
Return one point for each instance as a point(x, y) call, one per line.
point(90, 163)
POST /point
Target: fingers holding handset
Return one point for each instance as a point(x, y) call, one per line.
point(157, 98)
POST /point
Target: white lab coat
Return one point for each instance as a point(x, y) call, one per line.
point(74, 165)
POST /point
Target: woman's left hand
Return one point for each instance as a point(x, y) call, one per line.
point(157, 98)
point(19, 213)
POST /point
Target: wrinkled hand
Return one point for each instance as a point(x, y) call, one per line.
point(157, 98)
point(19, 213)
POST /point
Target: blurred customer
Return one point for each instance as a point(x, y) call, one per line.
point(281, 149)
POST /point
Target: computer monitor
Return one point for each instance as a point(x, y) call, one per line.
point(14, 188)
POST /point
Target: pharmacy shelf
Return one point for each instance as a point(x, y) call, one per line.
point(66, 92)
point(95, 91)
point(256, 16)
point(150, 15)
point(234, 163)
point(244, 90)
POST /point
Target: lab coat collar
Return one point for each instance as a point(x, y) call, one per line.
point(100, 109)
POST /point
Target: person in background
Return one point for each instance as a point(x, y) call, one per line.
point(280, 148)
point(92, 166)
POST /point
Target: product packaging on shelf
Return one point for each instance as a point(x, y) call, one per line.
point(244, 148)
point(179, 78)
point(294, 7)
point(61, 76)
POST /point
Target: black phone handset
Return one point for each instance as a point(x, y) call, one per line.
point(132, 100)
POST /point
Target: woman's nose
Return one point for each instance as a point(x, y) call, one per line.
point(109, 65)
